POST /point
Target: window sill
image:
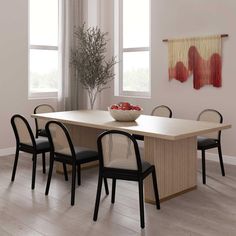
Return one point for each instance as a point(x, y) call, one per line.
point(133, 95)
point(43, 95)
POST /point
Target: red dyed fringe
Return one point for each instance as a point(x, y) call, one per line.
point(204, 71)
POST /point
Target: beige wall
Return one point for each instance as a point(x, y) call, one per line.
point(14, 69)
point(182, 18)
point(170, 18)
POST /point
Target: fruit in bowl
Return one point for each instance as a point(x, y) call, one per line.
point(124, 111)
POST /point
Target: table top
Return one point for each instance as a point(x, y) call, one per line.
point(151, 126)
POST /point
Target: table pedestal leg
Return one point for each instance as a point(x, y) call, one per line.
point(176, 166)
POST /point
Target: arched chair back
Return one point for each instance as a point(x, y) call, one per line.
point(162, 110)
point(119, 150)
point(39, 123)
point(59, 139)
point(211, 115)
point(22, 130)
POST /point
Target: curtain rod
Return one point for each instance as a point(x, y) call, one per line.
point(222, 36)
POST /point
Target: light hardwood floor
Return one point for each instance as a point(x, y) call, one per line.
point(209, 210)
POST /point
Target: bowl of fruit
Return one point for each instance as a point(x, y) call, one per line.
point(124, 111)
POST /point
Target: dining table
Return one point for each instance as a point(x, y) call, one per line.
point(170, 144)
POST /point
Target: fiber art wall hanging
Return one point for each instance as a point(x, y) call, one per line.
point(199, 58)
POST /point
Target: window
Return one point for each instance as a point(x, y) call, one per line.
point(132, 47)
point(43, 48)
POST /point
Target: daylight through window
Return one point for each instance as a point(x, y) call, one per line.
point(43, 54)
point(132, 35)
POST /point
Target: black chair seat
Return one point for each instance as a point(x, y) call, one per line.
point(138, 137)
point(145, 166)
point(42, 132)
point(42, 144)
point(84, 155)
point(128, 174)
point(203, 142)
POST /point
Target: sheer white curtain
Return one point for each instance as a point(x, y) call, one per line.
point(68, 89)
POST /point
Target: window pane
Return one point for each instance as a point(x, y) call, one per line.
point(44, 22)
point(136, 71)
point(43, 70)
point(135, 23)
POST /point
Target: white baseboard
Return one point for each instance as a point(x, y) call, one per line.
point(7, 151)
point(231, 160)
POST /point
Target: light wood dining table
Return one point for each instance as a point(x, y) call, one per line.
point(170, 144)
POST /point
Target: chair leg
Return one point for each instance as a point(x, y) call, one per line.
point(221, 161)
point(73, 184)
point(141, 203)
point(44, 162)
point(15, 164)
point(106, 186)
point(99, 188)
point(34, 170)
point(49, 175)
point(79, 174)
point(203, 167)
point(113, 191)
point(154, 179)
point(65, 171)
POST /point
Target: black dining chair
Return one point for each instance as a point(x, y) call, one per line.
point(162, 111)
point(40, 124)
point(212, 140)
point(63, 150)
point(119, 158)
point(26, 142)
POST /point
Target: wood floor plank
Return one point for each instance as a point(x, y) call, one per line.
point(209, 210)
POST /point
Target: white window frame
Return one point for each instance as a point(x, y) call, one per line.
point(119, 50)
point(39, 95)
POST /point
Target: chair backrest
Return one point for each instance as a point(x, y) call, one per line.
point(118, 150)
point(42, 108)
point(211, 115)
point(59, 139)
point(162, 110)
point(23, 132)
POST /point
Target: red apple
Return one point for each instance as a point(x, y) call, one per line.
point(114, 107)
point(125, 105)
point(137, 108)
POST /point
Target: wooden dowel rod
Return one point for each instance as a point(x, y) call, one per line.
point(222, 36)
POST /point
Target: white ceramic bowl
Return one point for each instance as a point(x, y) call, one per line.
point(125, 115)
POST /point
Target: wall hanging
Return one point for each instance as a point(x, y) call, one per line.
point(199, 57)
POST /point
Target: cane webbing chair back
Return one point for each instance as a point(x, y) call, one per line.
point(162, 111)
point(59, 138)
point(211, 115)
point(22, 130)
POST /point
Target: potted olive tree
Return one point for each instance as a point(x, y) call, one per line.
point(93, 69)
